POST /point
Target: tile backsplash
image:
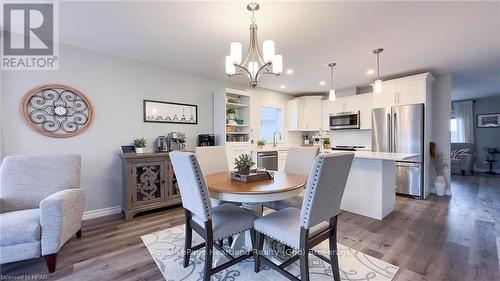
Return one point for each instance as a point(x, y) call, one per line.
point(352, 137)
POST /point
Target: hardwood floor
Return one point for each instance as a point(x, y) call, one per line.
point(442, 238)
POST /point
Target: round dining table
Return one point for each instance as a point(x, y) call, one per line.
point(252, 195)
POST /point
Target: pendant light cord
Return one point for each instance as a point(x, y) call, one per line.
point(332, 75)
point(378, 66)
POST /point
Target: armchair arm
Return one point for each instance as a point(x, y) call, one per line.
point(60, 218)
point(466, 161)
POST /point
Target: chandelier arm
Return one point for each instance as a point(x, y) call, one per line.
point(244, 71)
point(264, 67)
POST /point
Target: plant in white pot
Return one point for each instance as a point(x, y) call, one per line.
point(243, 164)
point(231, 112)
point(140, 144)
point(439, 166)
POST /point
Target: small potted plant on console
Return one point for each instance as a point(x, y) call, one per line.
point(140, 144)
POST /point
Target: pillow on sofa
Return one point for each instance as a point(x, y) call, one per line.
point(457, 154)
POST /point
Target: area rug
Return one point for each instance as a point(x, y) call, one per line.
point(167, 246)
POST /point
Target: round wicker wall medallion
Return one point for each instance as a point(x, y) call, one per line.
point(57, 110)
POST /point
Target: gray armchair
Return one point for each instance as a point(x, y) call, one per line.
point(41, 206)
point(463, 162)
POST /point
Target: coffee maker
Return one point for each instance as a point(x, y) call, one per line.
point(176, 141)
point(206, 140)
point(161, 144)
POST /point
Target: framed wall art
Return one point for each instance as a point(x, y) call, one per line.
point(170, 112)
point(57, 111)
point(488, 120)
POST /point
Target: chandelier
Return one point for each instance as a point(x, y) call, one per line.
point(256, 63)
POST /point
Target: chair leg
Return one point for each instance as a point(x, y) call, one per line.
point(187, 245)
point(304, 265)
point(230, 241)
point(334, 258)
point(304, 254)
point(51, 262)
point(258, 245)
point(209, 250)
point(79, 233)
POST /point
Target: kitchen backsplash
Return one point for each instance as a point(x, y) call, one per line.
point(352, 137)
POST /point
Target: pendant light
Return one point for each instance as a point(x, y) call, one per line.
point(378, 83)
point(331, 94)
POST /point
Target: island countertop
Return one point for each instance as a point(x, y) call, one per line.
point(390, 156)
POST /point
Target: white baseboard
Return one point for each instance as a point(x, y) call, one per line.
point(481, 170)
point(101, 212)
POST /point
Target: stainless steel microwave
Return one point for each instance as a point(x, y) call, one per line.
point(344, 120)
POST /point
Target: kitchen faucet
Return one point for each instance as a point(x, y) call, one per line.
point(274, 138)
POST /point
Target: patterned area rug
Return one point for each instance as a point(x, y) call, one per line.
point(166, 247)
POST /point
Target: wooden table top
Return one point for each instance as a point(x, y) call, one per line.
point(283, 182)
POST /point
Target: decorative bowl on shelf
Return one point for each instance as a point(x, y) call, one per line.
point(239, 121)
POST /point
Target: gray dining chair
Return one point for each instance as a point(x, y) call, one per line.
point(212, 159)
point(299, 161)
point(211, 223)
point(302, 229)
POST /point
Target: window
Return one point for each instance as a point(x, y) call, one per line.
point(453, 130)
point(270, 122)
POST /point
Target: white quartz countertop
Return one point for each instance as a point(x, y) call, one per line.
point(268, 149)
point(383, 155)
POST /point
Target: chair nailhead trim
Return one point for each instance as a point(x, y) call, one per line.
point(201, 185)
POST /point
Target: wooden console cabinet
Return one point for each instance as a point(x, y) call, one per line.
point(148, 183)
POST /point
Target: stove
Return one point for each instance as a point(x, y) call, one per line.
point(347, 147)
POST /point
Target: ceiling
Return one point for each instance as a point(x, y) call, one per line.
point(462, 38)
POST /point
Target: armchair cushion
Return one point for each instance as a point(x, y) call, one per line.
point(284, 226)
point(60, 218)
point(228, 220)
point(19, 227)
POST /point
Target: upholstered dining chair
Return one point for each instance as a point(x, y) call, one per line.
point(41, 206)
point(211, 223)
point(299, 161)
point(212, 159)
point(316, 221)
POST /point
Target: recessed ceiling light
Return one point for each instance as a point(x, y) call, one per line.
point(322, 83)
point(370, 72)
point(282, 86)
point(289, 71)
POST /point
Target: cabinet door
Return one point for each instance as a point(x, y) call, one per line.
point(234, 151)
point(148, 182)
point(282, 155)
point(312, 114)
point(173, 187)
point(387, 97)
point(293, 114)
point(365, 104)
point(411, 91)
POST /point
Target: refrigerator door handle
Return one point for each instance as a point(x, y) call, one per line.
point(394, 134)
point(389, 130)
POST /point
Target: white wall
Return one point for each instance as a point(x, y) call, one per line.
point(441, 113)
point(116, 87)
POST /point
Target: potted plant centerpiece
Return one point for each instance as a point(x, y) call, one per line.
point(490, 153)
point(261, 143)
point(140, 144)
point(243, 164)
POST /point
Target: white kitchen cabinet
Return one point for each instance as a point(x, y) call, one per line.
point(304, 113)
point(402, 91)
point(234, 150)
point(282, 155)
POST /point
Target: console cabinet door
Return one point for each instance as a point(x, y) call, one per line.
point(148, 183)
point(173, 187)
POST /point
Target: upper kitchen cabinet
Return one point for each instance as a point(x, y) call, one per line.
point(407, 90)
point(362, 103)
point(304, 113)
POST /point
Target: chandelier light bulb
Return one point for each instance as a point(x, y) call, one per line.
point(268, 50)
point(236, 51)
point(277, 64)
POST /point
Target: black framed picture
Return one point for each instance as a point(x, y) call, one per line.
point(128, 149)
point(170, 112)
point(488, 120)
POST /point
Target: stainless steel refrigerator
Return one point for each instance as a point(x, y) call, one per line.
point(401, 129)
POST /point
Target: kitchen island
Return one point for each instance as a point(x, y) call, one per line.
point(370, 189)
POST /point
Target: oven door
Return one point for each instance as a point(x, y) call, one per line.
point(345, 120)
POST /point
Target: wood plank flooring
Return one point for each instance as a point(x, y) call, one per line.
point(442, 238)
